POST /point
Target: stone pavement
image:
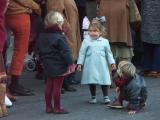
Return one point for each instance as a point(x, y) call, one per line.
point(32, 107)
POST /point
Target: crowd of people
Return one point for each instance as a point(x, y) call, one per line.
point(52, 30)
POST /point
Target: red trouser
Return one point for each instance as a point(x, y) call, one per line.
point(20, 25)
point(53, 91)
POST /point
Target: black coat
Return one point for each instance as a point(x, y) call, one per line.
point(54, 53)
point(135, 91)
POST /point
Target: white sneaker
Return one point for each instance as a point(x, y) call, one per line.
point(106, 100)
point(8, 102)
point(93, 101)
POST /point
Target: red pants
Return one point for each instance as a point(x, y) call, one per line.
point(53, 91)
point(20, 26)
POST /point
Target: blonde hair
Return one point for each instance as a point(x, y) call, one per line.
point(54, 18)
point(96, 25)
point(126, 68)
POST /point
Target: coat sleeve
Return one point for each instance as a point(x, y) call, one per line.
point(65, 51)
point(29, 4)
point(82, 52)
point(133, 97)
point(109, 55)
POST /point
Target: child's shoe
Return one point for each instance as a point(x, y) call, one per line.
point(116, 104)
point(49, 110)
point(60, 111)
point(93, 101)
point(106, 100)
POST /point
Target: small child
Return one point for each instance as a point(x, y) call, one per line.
point(94, 57)
point(131, 87)
point(56, 58)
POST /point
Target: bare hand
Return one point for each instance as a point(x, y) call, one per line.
point(113, 66)
point(79, 68)
point(117, 89)
point(131, 112)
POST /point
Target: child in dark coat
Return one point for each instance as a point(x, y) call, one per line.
point(56, 58)
point(130, 86)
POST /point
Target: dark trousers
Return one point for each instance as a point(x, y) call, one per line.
point(53, 91)
point(82, 14)
point(151, 57)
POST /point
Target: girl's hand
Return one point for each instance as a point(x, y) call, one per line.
point(131, 112)
point(79, 68)
point(113, 66)
point(117, 89)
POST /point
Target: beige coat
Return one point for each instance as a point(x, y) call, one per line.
point(117, 15)
point(69, 10)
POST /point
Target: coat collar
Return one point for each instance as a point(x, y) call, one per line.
point(53, 29)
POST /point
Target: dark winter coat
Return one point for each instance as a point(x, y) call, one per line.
point(150, 21)
point(135, 91)
point(54, 52)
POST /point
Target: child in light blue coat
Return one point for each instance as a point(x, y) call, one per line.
point(95, 57)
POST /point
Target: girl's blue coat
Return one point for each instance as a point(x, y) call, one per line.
point(95, 56)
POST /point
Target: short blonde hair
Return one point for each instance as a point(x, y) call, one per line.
point(126, 68)
point(53, 18)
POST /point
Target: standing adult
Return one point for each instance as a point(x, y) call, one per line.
point(150, 35)
point(18, 20)
point(71, 25)
point(81, 5)
point(72, 17)
point(3, 76)
point(118, 27)
point(91, 9)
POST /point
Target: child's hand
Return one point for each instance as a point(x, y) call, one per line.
point(72, 67)
point(113, 66)
point(131, 112)
point(79, 68)
point(117, 89)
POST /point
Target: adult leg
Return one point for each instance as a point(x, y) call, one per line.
point(21, 31)
point(3, 109)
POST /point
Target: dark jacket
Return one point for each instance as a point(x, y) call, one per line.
point(135, 91)
point(54, 52)
point(81, 3)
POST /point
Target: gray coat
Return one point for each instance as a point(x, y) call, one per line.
point(150, 21)
point(135, 91)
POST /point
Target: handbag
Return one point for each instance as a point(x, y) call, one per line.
point(134, 14)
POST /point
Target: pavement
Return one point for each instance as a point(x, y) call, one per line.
point(33, 107)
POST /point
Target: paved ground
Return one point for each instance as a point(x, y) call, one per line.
point(32, 107)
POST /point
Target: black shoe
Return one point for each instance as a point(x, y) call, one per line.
point(16, 90)
point(20, 87)
point(70, 89)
